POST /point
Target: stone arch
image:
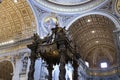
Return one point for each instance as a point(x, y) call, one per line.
point(106, 14)
point(93, 34)
point(6, 69)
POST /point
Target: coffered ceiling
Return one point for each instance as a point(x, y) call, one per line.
point(94, 37)
point(17, 21)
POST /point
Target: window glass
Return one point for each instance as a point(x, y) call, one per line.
point(103, 65)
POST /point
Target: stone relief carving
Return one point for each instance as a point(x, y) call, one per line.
point(25, 63)
point(108, 6)
point(39, 10)
point(65, 18)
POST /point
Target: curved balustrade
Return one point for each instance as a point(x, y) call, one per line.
point(104, 72)
point(92, 74)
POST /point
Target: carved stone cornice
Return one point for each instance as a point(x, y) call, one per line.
point(55, 6)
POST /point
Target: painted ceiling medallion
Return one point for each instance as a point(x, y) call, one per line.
point(49, 22)
point(117, 7)
point(70, 6)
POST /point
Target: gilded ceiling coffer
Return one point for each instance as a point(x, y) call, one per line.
point(54, 49)
point(95, 38)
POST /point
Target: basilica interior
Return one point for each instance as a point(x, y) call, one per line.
point(87, 45)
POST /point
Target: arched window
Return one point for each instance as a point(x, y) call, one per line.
point(87, 63)
point(104, 65)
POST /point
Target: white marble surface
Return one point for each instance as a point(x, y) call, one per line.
point(70, 7)
point(69, 2)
